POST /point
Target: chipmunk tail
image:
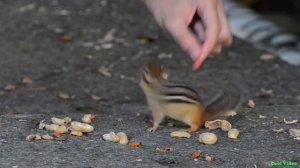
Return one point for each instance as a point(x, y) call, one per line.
point(225, 104)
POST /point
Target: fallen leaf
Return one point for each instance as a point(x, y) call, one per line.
point(264, 93)
point(10, 87)
point(135, 144)
point(196, 154)
point(290, 122)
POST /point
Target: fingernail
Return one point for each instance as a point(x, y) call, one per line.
point(195, 53)
point(197, 63)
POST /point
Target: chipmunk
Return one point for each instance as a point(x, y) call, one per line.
point(181, 102)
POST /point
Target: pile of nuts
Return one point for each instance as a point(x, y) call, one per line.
point(61, 126)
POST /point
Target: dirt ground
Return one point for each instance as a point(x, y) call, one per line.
point(61, 45)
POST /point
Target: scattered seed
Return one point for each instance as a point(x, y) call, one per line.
point(97, 98)
point(10, 87)
point(267, 57)
point(108, 37)
point(63, 95)
point(265, 93)
point(27, 81)
point(209, 158)
point(262, 117)
point(251, 104)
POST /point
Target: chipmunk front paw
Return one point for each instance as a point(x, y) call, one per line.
point(151, 129)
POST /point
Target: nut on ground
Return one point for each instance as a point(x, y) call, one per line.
point(47, 137)
point(208, 138)
point(180, 134)
point(123, 138)
point(76, 133)
point(33, 137)
point(111, 137)
point(82, 127)
point(233, 133)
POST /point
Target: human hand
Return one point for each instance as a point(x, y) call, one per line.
point(199, 26)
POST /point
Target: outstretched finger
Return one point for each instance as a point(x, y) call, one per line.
point(186, 39)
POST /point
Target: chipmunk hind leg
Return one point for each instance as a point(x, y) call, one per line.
point(195, 121)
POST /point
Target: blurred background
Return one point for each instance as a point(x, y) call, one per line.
point(285, 13)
